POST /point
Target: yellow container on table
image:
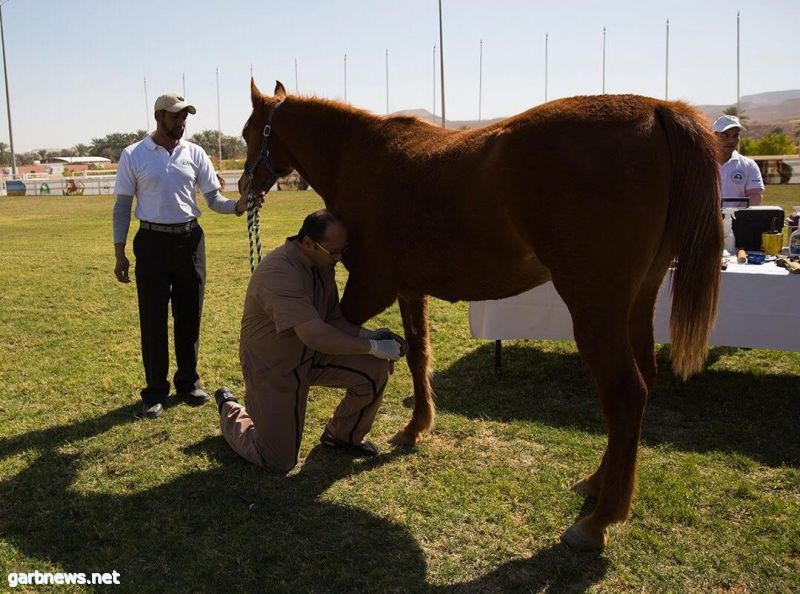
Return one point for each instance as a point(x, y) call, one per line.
point(771, 243)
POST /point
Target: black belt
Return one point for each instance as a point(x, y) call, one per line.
point(178, 228)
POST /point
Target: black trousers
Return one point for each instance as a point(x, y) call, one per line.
point(169, 267)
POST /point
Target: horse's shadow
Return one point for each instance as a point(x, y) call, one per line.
point(546, 571)
point(232, 527)
point(755, 415)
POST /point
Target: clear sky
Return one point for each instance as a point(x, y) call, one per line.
point(76, 68)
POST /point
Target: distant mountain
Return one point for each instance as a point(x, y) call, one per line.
point(765, 112)
point(764, 108)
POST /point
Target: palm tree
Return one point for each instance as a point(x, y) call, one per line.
point(81, 150)
point(734, 111)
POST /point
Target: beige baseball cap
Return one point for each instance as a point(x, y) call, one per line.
point(173, 103)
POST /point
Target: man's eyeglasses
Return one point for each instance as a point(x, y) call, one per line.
point(332, 253)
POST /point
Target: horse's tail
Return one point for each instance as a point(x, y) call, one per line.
point(694, 227)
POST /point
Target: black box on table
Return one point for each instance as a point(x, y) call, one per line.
point(749, 223)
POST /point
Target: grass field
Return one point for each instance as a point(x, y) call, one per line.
point(477, 507)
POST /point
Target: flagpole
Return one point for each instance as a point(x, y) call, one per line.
point(219, 128)
point(8, 95)
point(546, 38)
point(604, 60)
point(434, 83)
point(387, 81)
point(480, 81)
point(666, 71)
point(738, 97)
point(146, 107)
point(441, 62)
point(183, 87)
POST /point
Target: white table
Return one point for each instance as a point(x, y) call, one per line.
point(759, 307)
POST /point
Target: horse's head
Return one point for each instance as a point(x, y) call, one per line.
point(266, 160)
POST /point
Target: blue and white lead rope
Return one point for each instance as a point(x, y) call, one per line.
point(253, 230)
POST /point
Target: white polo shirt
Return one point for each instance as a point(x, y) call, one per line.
point(165, 184)
point(738, 175)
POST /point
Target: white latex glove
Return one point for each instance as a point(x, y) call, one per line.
point(384, 334)
point(384, 349)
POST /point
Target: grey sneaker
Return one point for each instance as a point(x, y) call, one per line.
point(152, 411)
point(195, 397)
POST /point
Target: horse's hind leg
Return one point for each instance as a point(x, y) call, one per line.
point(414, 310)
point(601, 333)
point(641, 329)
point(641, 337)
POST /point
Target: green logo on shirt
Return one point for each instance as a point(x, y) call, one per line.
point(184, 163)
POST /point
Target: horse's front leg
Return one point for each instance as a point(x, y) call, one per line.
point(363, 300)
point(414, 310)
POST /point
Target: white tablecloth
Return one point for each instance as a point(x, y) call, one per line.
point(759, 307)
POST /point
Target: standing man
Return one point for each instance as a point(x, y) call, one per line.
point(294, 336)
point(739, 176)
point(164, 172)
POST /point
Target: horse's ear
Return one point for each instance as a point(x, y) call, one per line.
point(255, 95)
point(280, 92)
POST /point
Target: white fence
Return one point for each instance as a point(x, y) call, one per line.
point(40, 184)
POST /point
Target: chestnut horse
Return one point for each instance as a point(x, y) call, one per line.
point(598, 194)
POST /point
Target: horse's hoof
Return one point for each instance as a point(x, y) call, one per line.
point(405, 439)
point(584, 540)
point(584, 487)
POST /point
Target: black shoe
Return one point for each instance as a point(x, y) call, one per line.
point(223, 395)
point(152, 411)
point(195, 397)
point(363, 450)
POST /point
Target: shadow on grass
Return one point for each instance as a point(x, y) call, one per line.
point(754, 415)
point(230, 528)
point(554, 569)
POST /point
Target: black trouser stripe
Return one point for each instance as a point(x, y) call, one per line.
point(297, 404)
point(374, 393)
point(297, 414)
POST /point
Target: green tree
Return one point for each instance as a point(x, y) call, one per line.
point(776, 144)
point(233, 147)
point(206, 139)
point(111, 145)
point(771, 144)
point(748, 146)
point(27, 158)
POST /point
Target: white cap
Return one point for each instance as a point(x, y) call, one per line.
point(173, 103)
point(727, 122)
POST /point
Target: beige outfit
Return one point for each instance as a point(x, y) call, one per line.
point(286, 290)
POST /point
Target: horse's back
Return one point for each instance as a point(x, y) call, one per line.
point(584, 176)
point(574, 180)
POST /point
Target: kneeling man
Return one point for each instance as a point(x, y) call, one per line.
point(294, 336)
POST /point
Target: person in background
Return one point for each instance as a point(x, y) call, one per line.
point(294, 336)
point(164, 172)
point(739, 176)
